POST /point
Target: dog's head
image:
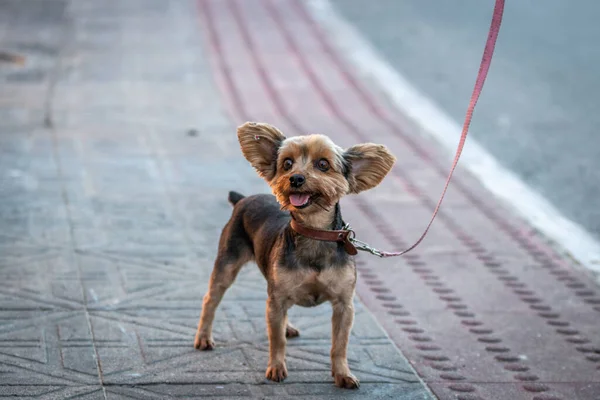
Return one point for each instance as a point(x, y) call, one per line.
point(311, 173)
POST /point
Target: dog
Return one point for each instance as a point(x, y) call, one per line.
point(308, 176)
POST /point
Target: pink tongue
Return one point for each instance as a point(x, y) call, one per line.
point(299, 200)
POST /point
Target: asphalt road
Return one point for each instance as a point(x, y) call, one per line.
point(538, 114)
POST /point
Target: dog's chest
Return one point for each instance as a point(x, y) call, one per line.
point(317, 255)
point(308, 288)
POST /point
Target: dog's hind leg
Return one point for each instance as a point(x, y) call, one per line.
point(290, 330)
point(223, 275)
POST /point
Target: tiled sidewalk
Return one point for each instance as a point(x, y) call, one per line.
point(485, 307)
point(116, 157)
point(117, 150)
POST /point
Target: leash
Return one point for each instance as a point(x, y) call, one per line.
point(347, 235)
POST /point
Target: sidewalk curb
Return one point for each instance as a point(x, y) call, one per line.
point(567, 236)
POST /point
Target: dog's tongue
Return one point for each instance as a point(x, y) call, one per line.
point(299, 199)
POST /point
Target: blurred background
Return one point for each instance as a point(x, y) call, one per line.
point(118, 148)
point(538, 115)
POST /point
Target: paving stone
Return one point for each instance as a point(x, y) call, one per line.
point(111, 212)
point(117, 150)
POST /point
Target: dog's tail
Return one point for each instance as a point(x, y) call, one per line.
point(234, 197)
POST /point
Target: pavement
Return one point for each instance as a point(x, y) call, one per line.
point(538, 115)
point(117, 150)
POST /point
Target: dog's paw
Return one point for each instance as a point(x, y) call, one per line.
point(276, 372)
point(204, 343)
point(291, 331)
point(346, 381)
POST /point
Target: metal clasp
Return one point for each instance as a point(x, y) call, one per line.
point(360, 245)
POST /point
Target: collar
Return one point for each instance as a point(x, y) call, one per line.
point(340, 236)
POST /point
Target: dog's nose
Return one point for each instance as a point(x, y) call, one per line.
point(297, 180)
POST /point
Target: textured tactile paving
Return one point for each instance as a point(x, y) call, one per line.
point(485, 308)
point(117, 149)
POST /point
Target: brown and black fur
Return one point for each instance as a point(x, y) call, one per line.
point(299, 270)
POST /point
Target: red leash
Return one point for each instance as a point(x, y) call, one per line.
point(486, 61)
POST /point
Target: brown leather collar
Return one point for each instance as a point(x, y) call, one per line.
point(340, 236)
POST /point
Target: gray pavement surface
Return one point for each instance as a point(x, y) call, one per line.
point(538, 112)
point(115, 159)
point(117, 150)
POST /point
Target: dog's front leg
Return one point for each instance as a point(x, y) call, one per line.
point(342, 319)
point(276, 325)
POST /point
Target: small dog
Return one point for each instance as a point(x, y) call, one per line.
point(308, 176)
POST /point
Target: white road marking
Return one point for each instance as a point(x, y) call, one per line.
point(571, 238)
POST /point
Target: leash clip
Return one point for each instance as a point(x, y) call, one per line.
point(359, 244)
point(362, 246)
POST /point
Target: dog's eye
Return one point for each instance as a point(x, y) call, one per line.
point(323, 164)
point(287, 164)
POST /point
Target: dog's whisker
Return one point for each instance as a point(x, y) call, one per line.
point(323, 207)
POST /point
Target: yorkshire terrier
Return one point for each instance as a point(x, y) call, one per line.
point(308, 176)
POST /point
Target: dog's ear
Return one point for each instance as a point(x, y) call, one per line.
point(260, 143)
point(368, 164)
